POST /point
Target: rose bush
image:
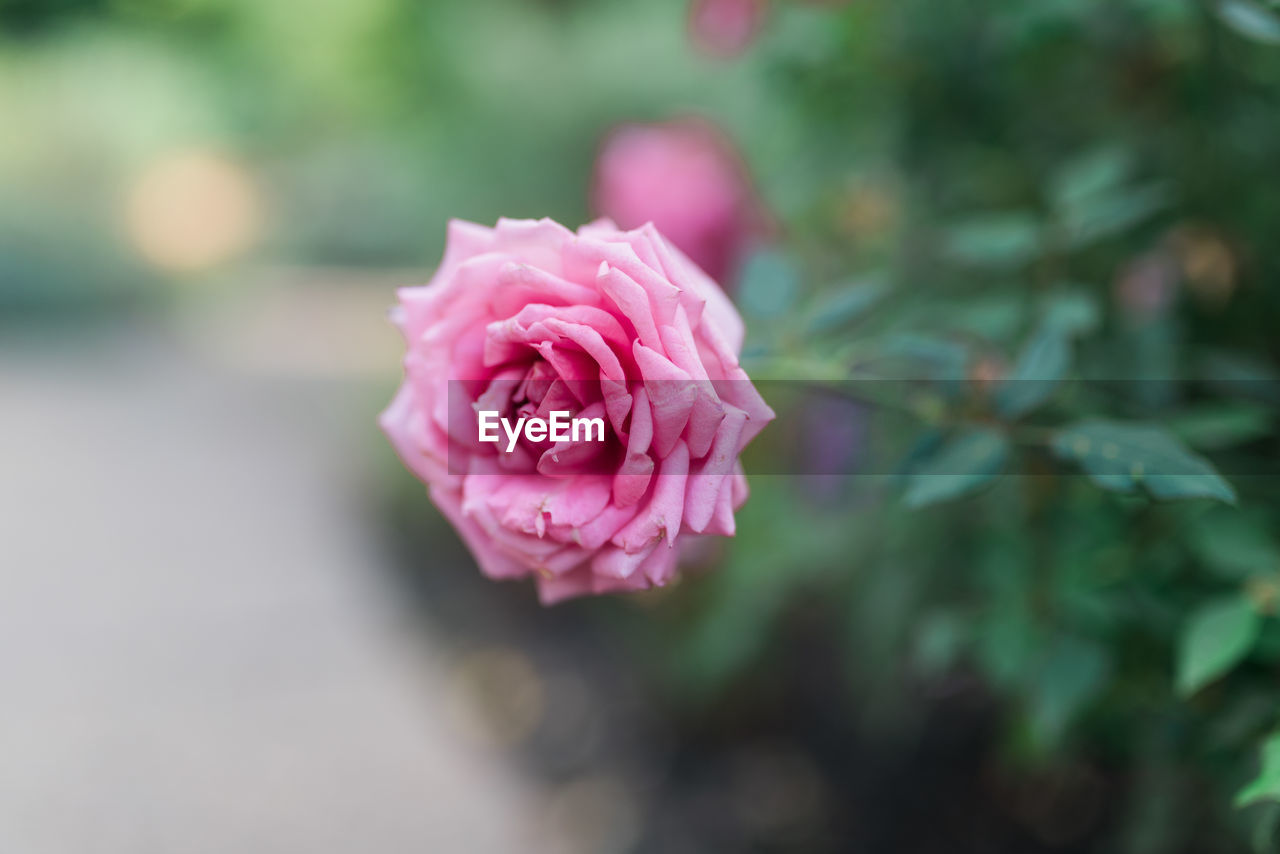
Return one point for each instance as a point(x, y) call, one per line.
point(529, 318)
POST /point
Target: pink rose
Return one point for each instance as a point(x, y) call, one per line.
point(529, 319)
point(1147, 285)
point(725, 28)
point(685, 178)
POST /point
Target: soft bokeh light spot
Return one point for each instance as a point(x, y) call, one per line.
point(594, 813)
point(496, 698)
point(193, 210)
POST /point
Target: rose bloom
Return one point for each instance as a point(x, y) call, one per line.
point(529, 318)
point(1147, 286)
point(725, 28)
point(686, 178)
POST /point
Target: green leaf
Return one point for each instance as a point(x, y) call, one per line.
point(994, 317)
point(1108, 214)
point(997, 240)
point(1222, 425)
point(1266, 786)
point(1073, 312)
point(938, 641)
point(1039, 368)
point(1007, 641)
point(1264, 829)
point(1027, 21)
point(1167, 12)
point(961, 465)
point(1215, 639)
point(1233, 545)
point(1089, 175)
point(845, 304)
point(1071, 674)
point(1250, 20)
point(1240, 376)
point(924, 446)
point(941, 358)
point(1122, 457)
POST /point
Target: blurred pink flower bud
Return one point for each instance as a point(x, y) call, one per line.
point(1147, 285)
point(687, 179)
point(725, 28)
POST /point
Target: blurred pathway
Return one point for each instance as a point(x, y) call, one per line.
point(198, 651)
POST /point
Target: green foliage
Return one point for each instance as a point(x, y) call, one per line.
point(1234, 546)
point(1251, 20)
point(1215, 639)
point(1222, 425)
point(1126, 457)
point(1078, 281)
point(1089, 176)
point(1041, 365)
point(1072, 312)
point(768, 285)
point(994, 241)
point(1071, 674)
point(1266, 786)
point(960, 465)
point(841, 306)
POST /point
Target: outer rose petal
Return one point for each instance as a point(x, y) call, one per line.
point(492, 562)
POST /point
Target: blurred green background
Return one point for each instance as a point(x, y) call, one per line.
point(361, 127)
point(1076, 191)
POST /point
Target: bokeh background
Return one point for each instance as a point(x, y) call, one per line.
point(229, 620)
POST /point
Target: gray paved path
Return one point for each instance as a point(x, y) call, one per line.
point(198, 652)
